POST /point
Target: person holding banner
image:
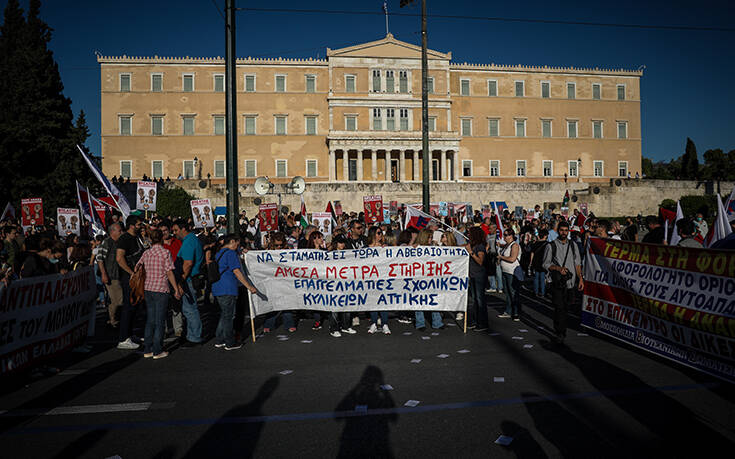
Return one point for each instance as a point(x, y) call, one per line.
point(278, 242)
point(225, 291)
point(562, 260)
point(477, 315)
point(426, 238)
point(159, 273)
point(376, 239)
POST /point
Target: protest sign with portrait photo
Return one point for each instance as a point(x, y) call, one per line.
point(268, 217)
point(68, 221)
point(323, 222)
point(201, 211)
point(373, 206)
point(146, 196)
point(31, 212)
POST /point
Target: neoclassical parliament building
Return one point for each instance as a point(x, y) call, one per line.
point(356, 117)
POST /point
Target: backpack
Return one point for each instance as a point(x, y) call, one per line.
point(213, 272)
point(538, 257)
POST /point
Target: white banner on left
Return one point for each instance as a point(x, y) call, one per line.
point(369, 279)
point(43, 316)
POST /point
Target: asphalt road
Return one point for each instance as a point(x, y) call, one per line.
point(411, 394)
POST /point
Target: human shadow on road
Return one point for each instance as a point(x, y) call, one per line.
point(523, 444)
point(366, 433)
point(679, 431)
point(81, 445)
point(237, 432)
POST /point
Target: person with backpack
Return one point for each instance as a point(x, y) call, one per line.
point(562, 261)
point(537, 263)
point(229, 275)
point(159, 273)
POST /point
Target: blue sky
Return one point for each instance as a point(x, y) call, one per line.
point(686, 88)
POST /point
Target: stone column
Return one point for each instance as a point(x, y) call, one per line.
point(443, 166)
point(415, 165)
point(457, 171)
point(345, 165)
point(387, 165)
point(359, 165)
point(332, 166)
point(374, 158)
point(403, 165)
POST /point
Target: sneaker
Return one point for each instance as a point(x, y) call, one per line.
point(490, 290)
point(355, 321)
point(516, 319)
point(233, 347)
point(336, 334)
point(162, 355)
point(471, 326)
point(148, 355)
point(373, 328)
point(317, 326)
point(460, 316)
point(266, 330)
point(386, 330)
point(404, 320)
point(349, 331)
point(219, 345)
point(504, 315)
point(480, 328)
point(127, 344)
point(292, 329)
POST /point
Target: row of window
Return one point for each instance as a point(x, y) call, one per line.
point(520, 89)
point(598, 168)
point(381, 81)
point(493, 128)
point(188, 82)
point(188, 124)
point(251, 168)
point(188, 168)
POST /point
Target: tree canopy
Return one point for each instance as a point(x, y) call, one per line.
point(718, 165)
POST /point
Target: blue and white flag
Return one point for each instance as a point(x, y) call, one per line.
point(120, 201)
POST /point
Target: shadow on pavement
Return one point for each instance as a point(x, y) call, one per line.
point(523, 444)
point(680, 432)
point(68, 390)
point(366, 435)
point(229, 436)
point(81, 445)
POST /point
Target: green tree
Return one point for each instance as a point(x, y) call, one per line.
point(689, 162)
point(37, 136)
point(173, 202)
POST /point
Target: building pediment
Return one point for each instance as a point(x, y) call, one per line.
point(387, 47)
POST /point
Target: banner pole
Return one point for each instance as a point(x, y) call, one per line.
point(465, 320)
point(252, 321)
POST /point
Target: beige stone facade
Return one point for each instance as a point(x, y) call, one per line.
point(356, 117)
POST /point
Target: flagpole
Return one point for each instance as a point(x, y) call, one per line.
point(109, 191)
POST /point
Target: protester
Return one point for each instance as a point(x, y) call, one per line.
point(128, 252)
point(656, 234)
point(278, 242)
point(509, 260)
point(425, 238)
point(225, 290)
point(537, 263)
point(11, 248)
point(36, 259)
point(477, 314)
point(562, 261)
point(687, 232)
point(188, 264)
point(375, 239)
point(159, 273)
point(110, 272)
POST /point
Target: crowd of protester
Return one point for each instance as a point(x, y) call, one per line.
point(539, 252)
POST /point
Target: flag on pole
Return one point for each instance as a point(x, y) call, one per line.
point(420, 220)
point(499, 232)
point(730, 205)
point(330, 209)
point(565, 201)
point(720, 228)
point(675, 238)
point(304, 222)
point(9, 212)
point(120, 202)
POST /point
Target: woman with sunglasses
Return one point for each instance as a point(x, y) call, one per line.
point(278, 242)
point(376, 238)
point(316, 241)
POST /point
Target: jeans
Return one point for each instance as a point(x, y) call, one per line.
point(383, 317)
point(225, 333)
point(156, 305)
point(477, 314)
point(339, 321)
point(561, 298)
point(497, 278)
point(126, 310)
point(190, 309)
point(512, 294)
point(539, 283)
point(436, 319)
point(270, 322)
